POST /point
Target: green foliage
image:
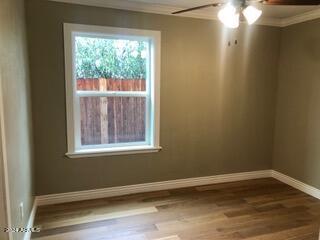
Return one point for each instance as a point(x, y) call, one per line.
point(110, 58)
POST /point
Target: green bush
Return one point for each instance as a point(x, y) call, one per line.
point(110, 58)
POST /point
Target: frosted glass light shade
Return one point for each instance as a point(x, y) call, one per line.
point(229, 16)
point(252, 14)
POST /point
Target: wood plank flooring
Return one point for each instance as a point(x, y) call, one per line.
point(263, 209)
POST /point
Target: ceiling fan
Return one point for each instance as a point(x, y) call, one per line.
point(230, 14)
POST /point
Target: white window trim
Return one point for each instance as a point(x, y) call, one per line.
point(73, 134)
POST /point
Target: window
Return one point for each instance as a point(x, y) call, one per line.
point(112, 89)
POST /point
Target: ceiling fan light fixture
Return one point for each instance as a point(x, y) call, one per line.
point(252, 14)
point(229, 16)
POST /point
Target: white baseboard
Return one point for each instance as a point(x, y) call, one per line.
point(296, 184)
point(157, 186)
point(166, 185)
point(27, 235)
point(148, 187)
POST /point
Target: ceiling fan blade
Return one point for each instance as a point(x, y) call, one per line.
point(291, 2)
point(199, 7)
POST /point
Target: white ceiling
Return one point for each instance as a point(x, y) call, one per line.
point(268, 11)
point(280, 16)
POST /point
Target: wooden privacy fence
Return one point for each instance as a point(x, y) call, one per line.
point(112, 119)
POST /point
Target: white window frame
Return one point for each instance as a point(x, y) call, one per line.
point(152, 94)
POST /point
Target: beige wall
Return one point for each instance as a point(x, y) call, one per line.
point(217, 102)
point(17, 114)
point(297, 135)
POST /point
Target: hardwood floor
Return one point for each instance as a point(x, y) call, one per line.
point(263, 209)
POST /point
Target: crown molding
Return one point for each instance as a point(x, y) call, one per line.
point(167, 10)
point(157, 9)
point(307, 16)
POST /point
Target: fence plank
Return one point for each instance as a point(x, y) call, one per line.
point(112, 119)
point(103, 112)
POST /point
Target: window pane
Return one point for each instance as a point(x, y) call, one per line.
point(106, 120)
point(110, 64)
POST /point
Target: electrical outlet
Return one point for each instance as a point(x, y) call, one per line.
point(21, 211)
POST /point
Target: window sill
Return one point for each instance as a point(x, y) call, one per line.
point(86, 153)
